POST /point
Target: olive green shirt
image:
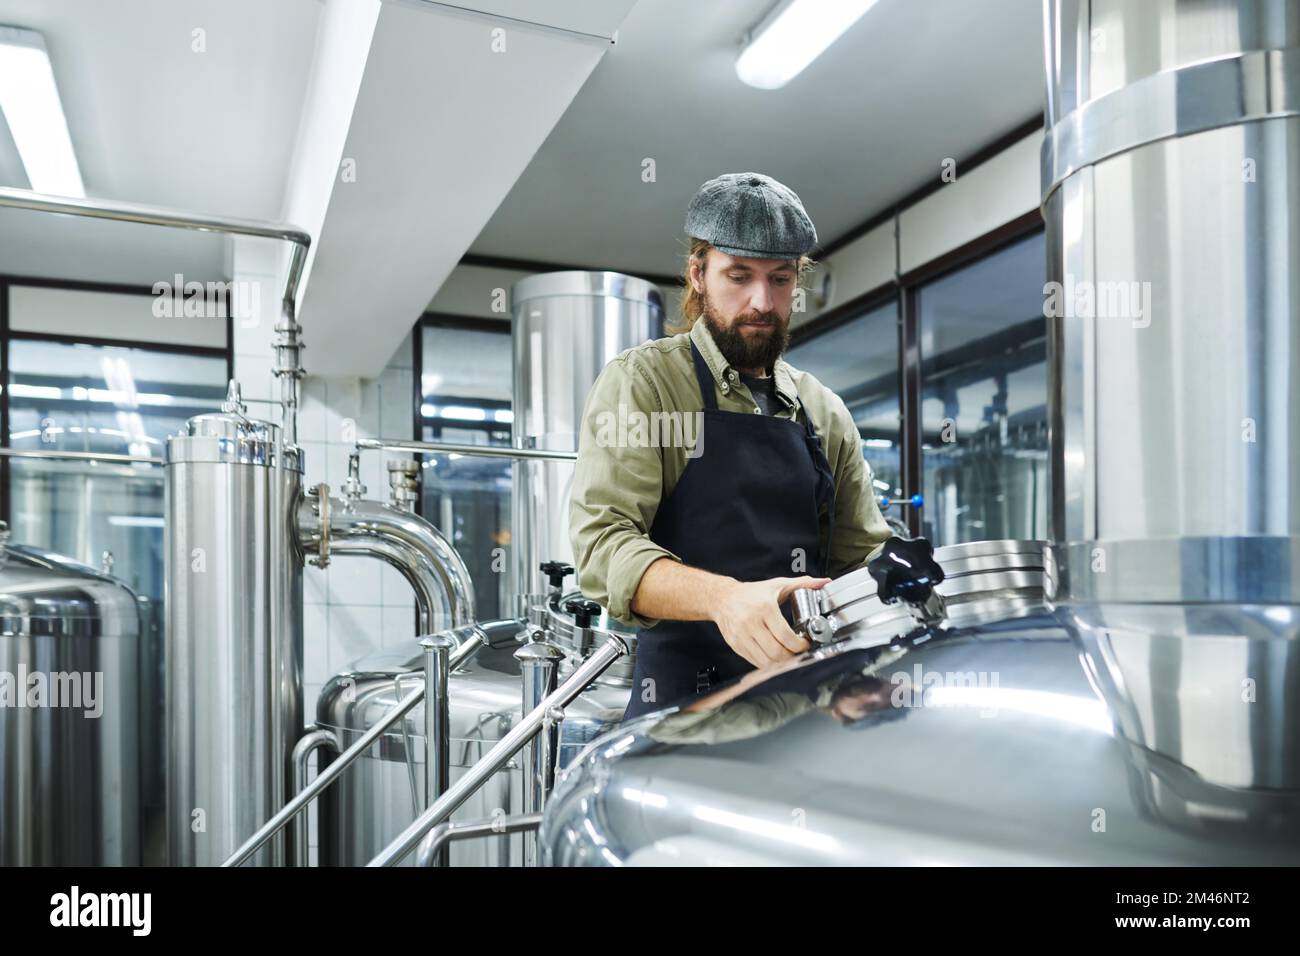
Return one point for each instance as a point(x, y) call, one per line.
point(639, 432)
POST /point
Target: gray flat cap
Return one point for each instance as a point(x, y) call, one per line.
point(749, 214)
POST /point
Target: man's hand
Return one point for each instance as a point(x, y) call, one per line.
point(749, 617)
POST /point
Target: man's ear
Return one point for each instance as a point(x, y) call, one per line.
point(697, 275)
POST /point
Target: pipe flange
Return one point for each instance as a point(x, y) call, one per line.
point(322, 508)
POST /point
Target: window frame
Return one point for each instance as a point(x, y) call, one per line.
point(8, 336)
point(905, 289)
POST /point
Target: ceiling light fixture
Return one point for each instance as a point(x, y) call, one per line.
point(29, 99)
point(791, 36)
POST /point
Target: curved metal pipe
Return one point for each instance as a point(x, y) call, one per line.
point(172, 218)
point(446, 831)
point(505, 748)
point(406, 541)
point(316, 738)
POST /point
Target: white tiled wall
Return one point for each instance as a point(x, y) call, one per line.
point(357, 605)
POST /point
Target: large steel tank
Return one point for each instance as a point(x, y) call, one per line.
point(383, 792)
point(70, 734)
point(980, 742)
point(233, 696)
point(566, 328)
point(1171, 185)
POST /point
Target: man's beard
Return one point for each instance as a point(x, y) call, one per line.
point(748, 351)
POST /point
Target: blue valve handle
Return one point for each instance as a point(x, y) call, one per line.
point(916, 501)
point(905, 570)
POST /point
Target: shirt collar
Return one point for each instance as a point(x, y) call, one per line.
point(727, 378)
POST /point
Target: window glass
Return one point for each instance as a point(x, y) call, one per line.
point(112, 400)
point(984, 398)
point(465, 393)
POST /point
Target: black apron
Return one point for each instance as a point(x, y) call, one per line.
point(753, 495)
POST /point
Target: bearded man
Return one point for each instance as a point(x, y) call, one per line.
point(701, 547)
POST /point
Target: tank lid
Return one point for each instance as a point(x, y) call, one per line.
point(48, 594)
point(226, 436)
point(576, 283)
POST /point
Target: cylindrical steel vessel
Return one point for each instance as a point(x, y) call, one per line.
point(383, 792)
point(1171, 191)
point(234, 634)
point(567, 326)
point(70, 787)
point(984, 742)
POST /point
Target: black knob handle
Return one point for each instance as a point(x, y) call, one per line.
point(583, 611)
point(556, 572)
point(905, 570)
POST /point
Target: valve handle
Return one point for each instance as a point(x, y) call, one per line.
point(905, 570)
point(583, 611)
point(556, 572)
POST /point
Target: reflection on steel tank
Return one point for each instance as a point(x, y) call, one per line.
point(70, 741)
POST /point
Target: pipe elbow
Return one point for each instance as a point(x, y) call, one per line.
point(402, 539)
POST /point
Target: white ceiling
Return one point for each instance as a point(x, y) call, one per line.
point(152, 121)
point(444, 122)
point(913, 82)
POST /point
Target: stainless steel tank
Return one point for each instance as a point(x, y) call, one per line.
point(566, 328)
point(234, 633)
point(984, 742)
point(381, 794)
point(1171, 184)
point(70, 734)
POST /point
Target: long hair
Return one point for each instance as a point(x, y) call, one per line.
point(693, 302)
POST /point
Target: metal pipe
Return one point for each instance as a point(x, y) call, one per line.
point(473, 639)
point(539, 664)
point(172, 218)
point(444, 833)
point(288, 367)
point(406, 541)
point(437, 721)
point(500, 754)
point(552, 736)
point(80, 456)
point(317, 737)
point(483, 451)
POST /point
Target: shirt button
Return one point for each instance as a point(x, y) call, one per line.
point(724, 387)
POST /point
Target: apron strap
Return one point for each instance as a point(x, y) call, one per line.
point(825, 485)
point(705, 378)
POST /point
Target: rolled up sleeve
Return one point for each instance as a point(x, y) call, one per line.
point(617, 489)
point(860, 528)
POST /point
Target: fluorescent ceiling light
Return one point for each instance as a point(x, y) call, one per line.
point(793, 35)
point(30, 102)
